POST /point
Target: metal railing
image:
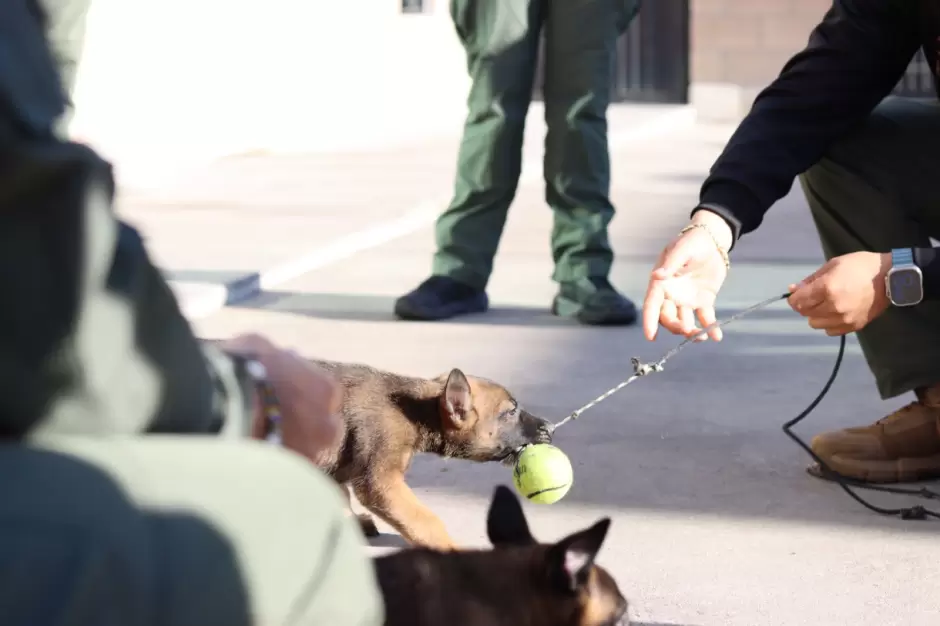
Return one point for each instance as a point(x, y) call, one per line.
point(652, 62)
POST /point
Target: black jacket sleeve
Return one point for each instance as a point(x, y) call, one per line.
point(854, 58)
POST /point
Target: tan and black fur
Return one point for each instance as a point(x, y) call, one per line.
point(520, 582)
point(388, 418)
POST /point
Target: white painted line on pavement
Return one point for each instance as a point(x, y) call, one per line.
point(218, 297)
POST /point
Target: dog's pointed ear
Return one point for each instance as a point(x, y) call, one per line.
point(456, 402)
point(570, 559)
point(506, 524)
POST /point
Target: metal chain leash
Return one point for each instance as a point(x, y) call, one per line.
point(641, 369)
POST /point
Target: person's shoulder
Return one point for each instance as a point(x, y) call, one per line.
point(909, 16)
point(903, 9)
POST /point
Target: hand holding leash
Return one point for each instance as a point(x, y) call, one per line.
point(847, 484)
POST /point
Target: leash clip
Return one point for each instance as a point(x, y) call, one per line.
point(643, 369)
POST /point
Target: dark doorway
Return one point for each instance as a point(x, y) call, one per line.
point(652, 56)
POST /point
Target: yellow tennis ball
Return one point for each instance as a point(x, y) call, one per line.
point(542, 473)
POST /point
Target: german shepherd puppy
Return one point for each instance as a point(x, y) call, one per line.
point(388, 418)
point(520, 582)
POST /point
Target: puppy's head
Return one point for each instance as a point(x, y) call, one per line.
point(566, 586)
point(481, 421)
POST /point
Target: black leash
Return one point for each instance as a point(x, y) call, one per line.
point(849, 485)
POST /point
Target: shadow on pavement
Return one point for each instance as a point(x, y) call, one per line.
point(378, 308)
point(702, 438)
point(369, 308)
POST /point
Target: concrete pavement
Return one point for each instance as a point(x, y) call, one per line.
point(715, 522)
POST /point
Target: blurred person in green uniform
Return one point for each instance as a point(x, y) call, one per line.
point(501, 39)
point(133, 491)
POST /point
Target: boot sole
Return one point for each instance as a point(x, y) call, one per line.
point(881, 472)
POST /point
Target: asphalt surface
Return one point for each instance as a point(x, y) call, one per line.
point(715, 521)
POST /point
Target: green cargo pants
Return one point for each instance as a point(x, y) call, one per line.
point(875, 190)
point(501, 39)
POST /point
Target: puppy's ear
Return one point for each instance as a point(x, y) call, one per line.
point(570, 559)
point(456, 402)
point(506, 524)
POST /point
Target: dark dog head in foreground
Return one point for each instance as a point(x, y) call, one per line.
point(520, 582)
point(482, 421)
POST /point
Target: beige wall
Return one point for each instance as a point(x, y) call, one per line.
point(739, 46)
point(167, 83)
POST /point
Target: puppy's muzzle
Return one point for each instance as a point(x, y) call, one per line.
point(544, 433)
point(539, 430)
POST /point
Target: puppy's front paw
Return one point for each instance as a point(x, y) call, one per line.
point(367, 524)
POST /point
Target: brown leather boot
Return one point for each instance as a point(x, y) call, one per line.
point(902, 447)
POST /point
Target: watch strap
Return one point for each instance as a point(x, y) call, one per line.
point(902, 256)
point(270, 406)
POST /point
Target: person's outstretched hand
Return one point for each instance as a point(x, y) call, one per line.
point(310, 398)
point(686, 279)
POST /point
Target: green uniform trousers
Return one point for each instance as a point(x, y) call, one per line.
point(875, 190)
point(501, 39)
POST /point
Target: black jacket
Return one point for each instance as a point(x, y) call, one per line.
point(855, 57)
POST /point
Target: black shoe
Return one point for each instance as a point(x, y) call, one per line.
point(595, 302)
point(440, 297)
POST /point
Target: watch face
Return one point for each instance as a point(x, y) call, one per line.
point(905, 286)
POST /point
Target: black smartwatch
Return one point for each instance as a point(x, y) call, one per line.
point(904, 283)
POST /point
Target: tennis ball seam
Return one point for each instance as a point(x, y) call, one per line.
point(539, 492)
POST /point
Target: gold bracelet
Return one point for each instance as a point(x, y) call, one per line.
point(721, 251)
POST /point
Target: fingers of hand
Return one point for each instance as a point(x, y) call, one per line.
point(652, 309)
point(687, 321)
point(809, 299)
point(706, 315)
point(834, 325)
point(681, 256)
point(249, 343)
point(823, 270)
point(669, 318)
